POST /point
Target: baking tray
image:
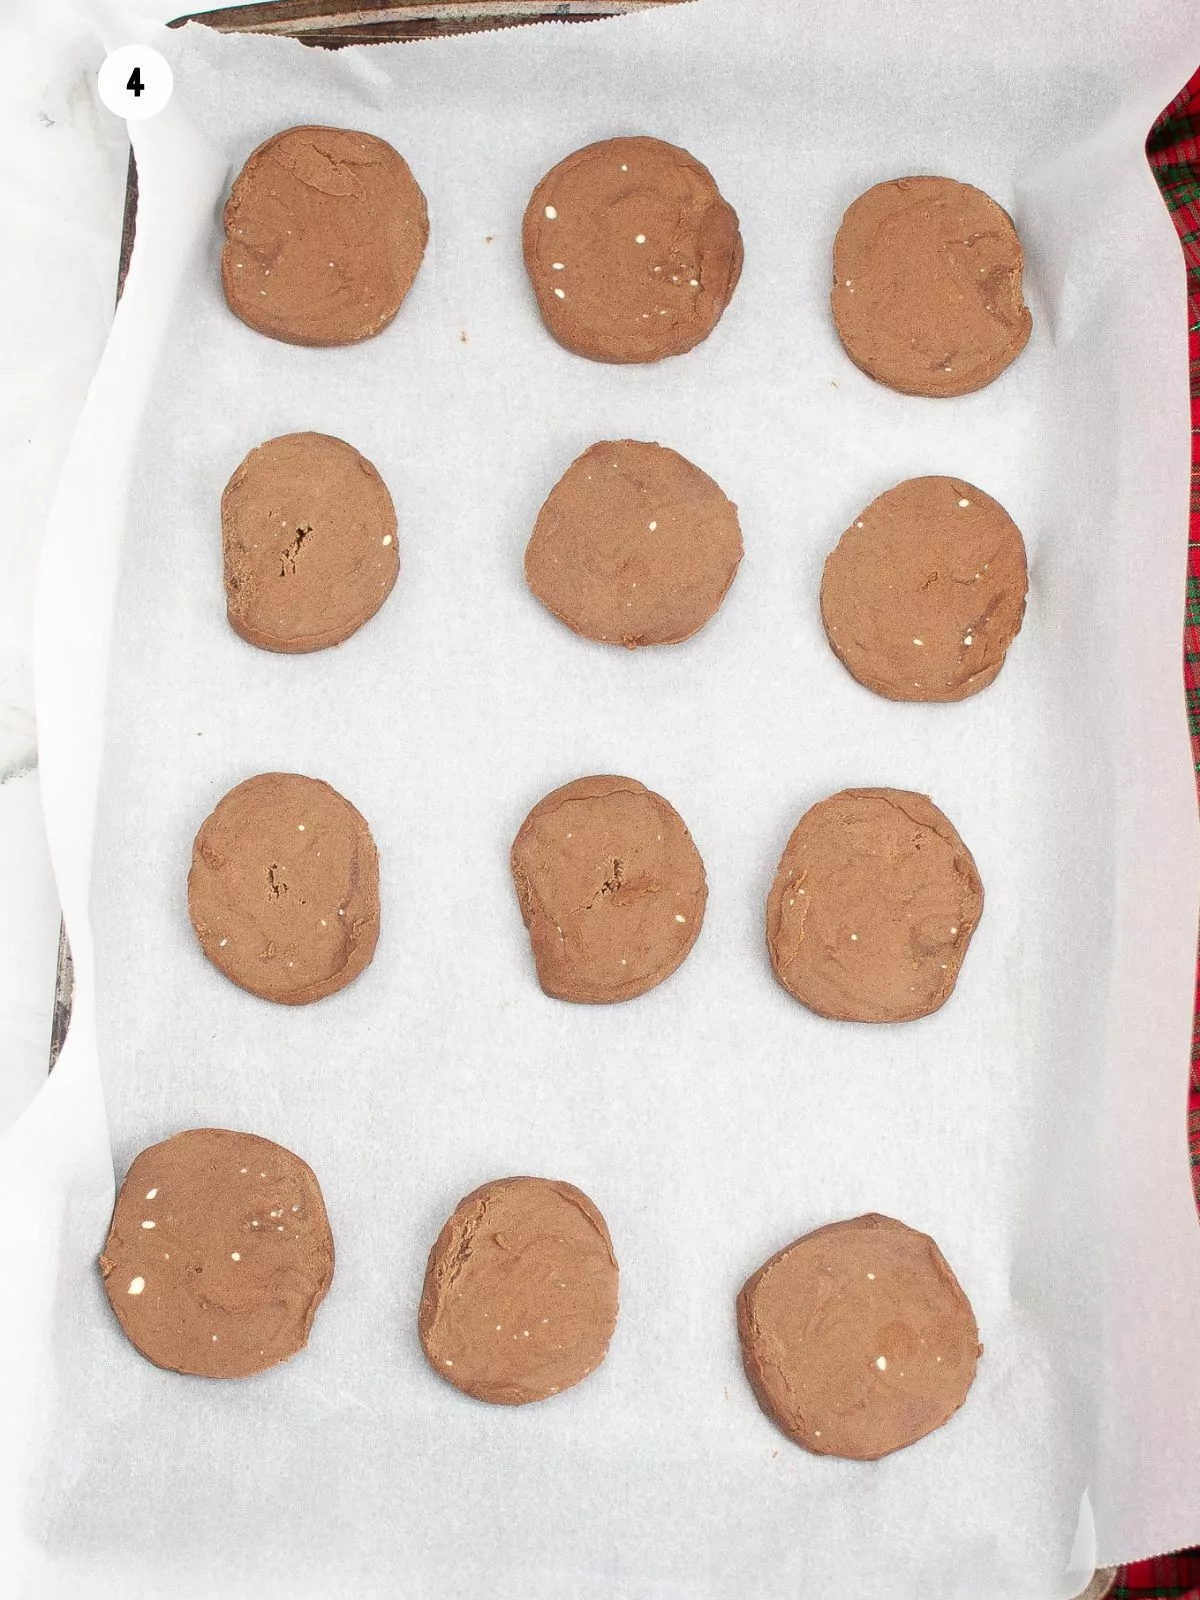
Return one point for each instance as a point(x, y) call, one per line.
point(332, 27)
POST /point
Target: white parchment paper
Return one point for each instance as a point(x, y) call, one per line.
point(1035, 1126)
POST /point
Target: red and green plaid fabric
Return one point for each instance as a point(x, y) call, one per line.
point(1173, 149)
point(1165, 1575)
point(1174, 152)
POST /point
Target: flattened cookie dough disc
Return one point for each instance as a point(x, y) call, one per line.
point(927, 286)
point(631, 250)
point(611, 888)
point(634, 546)
point(857, 1339)
point(926, 591)
point(873, 906)
point(284, 888)
point(219, 1253)
point(309, 537)
point(520, 1296)
point(325, 229)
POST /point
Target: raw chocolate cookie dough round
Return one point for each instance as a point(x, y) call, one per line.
point(857, 1339)
point(324, 231)
point(520, 1296)
point(873, 907)
point(284, 888)
point(631, 250)
point(219, 1253)
point(926, 591)
point(634, 546)
point(309, 536)
point(927, 286)
point(611, 888)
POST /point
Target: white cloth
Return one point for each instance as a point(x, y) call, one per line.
point(62, 187)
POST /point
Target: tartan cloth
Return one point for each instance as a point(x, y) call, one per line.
point(1173, 150)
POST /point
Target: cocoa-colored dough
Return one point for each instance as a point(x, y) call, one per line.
point(611, 888)
point(325, 229)
point(634, 545)
point(857, 1339)
point(309, 536)
point(520, 1295)
point(927, 286)
point(219, 1253)
point(632, 253)
point(873, 906)
point(926, 591)
point(284, 888)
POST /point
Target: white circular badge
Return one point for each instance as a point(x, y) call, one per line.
point(135, 82)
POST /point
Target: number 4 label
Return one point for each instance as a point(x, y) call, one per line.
point(135, 82)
